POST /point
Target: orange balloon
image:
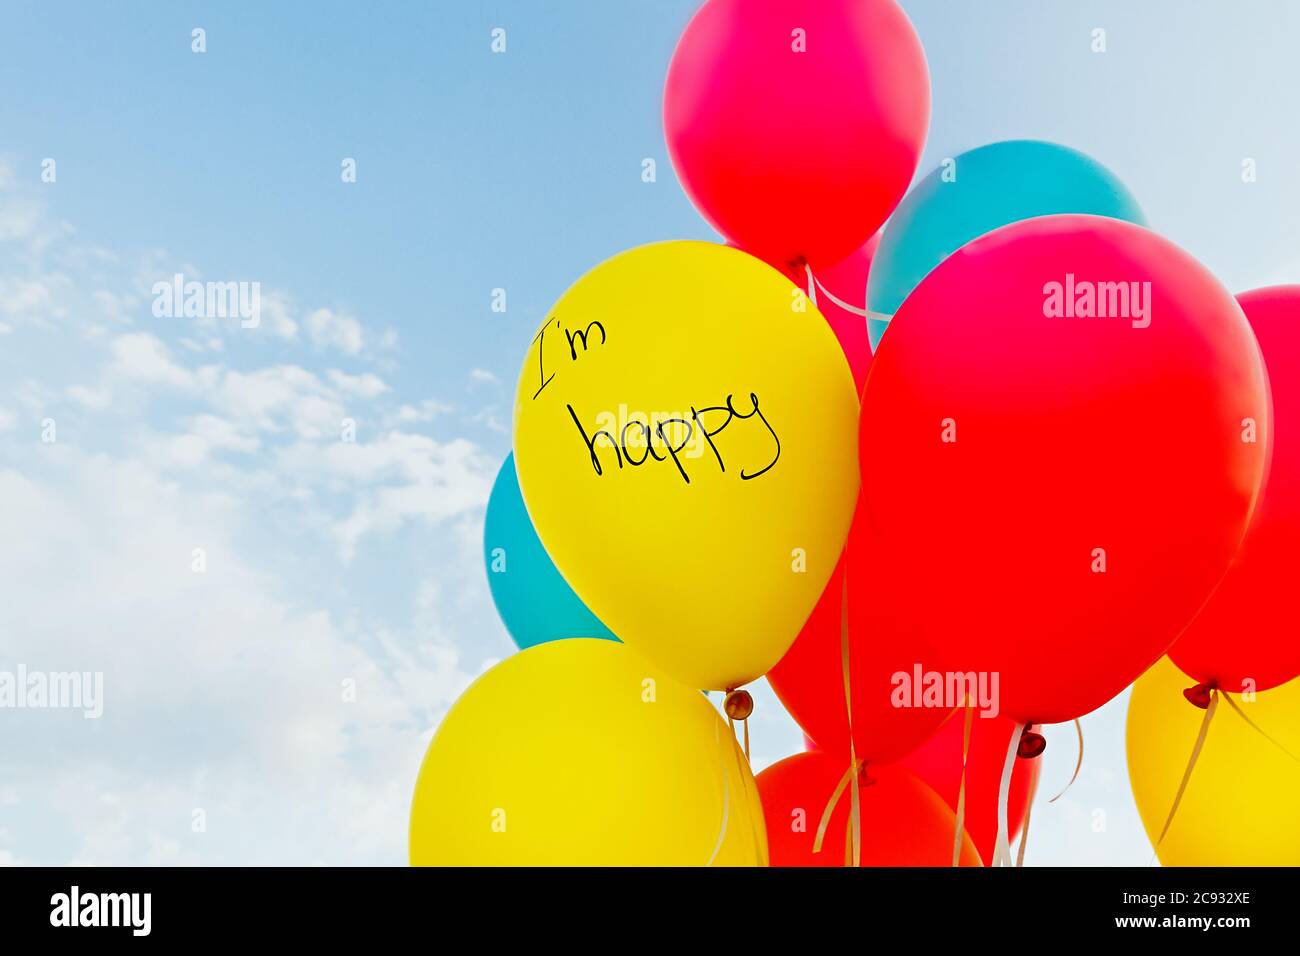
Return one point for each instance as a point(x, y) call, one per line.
point(903, 821)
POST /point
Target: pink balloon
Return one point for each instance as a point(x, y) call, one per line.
point(796, 125)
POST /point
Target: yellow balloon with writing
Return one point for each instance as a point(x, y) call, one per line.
point(686, 443)
point(580, 753)
point(1239, 808)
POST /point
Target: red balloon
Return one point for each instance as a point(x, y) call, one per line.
point(796, 125)
point(1052, 456)
point(809, 679)
point(938, 763)
point(1245, 638)
point(903, 822)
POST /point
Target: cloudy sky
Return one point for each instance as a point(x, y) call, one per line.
point(282, 616)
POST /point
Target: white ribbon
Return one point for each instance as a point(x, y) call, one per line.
point(1002, 850)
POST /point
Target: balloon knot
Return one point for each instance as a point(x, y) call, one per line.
point(738, 705)
point(1199, 696)
point(1031, 744)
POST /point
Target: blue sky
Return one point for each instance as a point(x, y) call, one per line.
point(329, 563)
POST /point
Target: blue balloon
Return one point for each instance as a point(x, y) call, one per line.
point(982, 190)
point(533, 599)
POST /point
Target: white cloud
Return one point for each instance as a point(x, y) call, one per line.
point(367, 385)
point(275, 316)
point(330, 329)
point(142, 357)
point(425, 411)
point(223, 689)
point(208, 435)
point(18, 219)
point(218, 694)
point(271, 398)
point(399, 478)
point(88, 397)
point(36, 300)
point(490, 419)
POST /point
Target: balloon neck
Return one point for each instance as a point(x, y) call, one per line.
point(1031, 744)
point(738, 704)
point(1199, 696)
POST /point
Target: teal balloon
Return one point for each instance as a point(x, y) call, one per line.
point(994, 186)
point(533, 599)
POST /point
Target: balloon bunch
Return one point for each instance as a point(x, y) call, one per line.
point(999, 520)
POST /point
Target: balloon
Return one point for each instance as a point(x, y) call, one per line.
point(938, 763)
point(579, 753)
point(835, 287)
point(975, 193)
point(707, 548)
point(1062, 492)
point(532, 598)
point(903, 822)
point(796, 126)
point(1245, 638)
point(809, 679)
point(845, 282)
point(1239, 806)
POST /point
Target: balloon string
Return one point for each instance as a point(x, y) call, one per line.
point(1258, 729)
point(855, 797)
point(756, 835)
point(1002, 849)
point(1191, 763)
point(960, 823)
point(726, 796)
point(814, 285)
point(850, 777)
point(855, 805)
point(1077, 764)
point(854, 769)
point(726, 799)
point(731, 723)
point(1024, 833)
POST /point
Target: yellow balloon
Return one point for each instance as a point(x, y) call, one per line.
point(1240, 805)
point(686, 443)
point(579, 753)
